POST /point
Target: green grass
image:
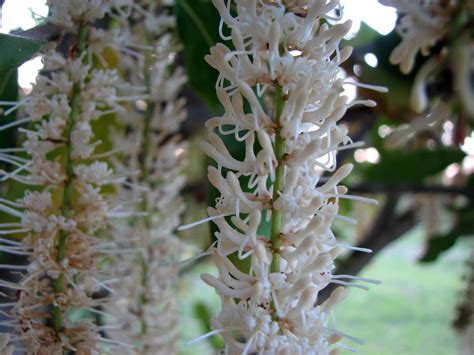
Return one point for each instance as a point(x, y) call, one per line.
point(409, 314)
point(196, 291)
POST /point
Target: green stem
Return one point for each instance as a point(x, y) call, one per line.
point(68, 186)
point(278, 185)
point(148, 115)
point(145, 172)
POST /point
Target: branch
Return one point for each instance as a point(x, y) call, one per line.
point(413, 189)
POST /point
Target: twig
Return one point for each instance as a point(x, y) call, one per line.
point(413, 189)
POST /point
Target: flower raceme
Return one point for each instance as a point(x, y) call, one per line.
point(283, 100)
point(441, 31)
point(422, 26)
point(61, 221)
point(147, 300)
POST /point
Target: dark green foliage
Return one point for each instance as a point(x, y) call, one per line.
point(15, 50)
point(400, 166)
point(463, 227)
point(203, 315)
point(9, 93)
point(198, 28)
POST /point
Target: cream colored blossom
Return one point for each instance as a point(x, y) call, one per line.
point(441, 31)
point(291, 180)
point(60, 223)
point(423, 23)
point(152, 148)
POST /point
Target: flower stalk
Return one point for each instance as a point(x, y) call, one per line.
point(279, 179)
point(155, 152)
point(441, 31)
point(68, 183)
point(147, 117)
point(285, 54)
point(62, 219)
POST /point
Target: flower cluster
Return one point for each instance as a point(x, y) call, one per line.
point(61, 220)
point(154, 150)
point(440, 30)
point(283, 99)
point(423, 24)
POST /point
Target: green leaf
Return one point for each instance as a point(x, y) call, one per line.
point(440, 243)
point(203, 315)
point(15, 50)
point(5, 79)
point(396, 101)
point(198, 28)
point(365, 36)
point(402, 167)
point(437, 245)
point(9, 92)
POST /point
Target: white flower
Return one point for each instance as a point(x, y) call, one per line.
point(6, 349)
point(67, 13)
point(38, 201)
point(271, 309)
point(439, 30)
point(422, 25)
point(59, 223)
point(96, 173)
point(153, 158)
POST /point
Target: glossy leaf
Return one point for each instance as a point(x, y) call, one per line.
point(407, 167)
point(15, 50)
point(10, 94)
point(440, 243)
point(203, 315)
point(365, 36)
point(198, 29)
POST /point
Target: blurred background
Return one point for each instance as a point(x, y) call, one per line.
point(421, 232)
